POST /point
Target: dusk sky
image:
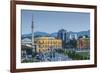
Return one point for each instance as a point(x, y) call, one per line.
point(51, 21)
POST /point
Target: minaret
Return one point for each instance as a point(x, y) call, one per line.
point(32, 27)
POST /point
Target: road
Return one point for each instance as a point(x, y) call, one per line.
point(54, 57)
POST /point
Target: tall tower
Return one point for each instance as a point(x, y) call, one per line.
point(62, 34)
point(76, 36)
point(32, 27)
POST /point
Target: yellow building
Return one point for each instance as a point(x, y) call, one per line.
point(46, 43)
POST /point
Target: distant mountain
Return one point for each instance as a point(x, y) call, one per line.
point(40, 34)
point(26, 36)
point(37, 34)
point(53, 34)
point(82, 33)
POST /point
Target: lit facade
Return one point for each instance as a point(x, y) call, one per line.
point(46, 43)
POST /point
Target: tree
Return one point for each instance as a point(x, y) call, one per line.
point(80, 37)
point(73, 43)
point(86, 36)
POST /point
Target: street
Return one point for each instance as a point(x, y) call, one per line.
point(45, 57)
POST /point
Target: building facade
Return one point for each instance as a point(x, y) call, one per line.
point(62, 34)
point(26, 49)
point(44, 44)
point(83, 43)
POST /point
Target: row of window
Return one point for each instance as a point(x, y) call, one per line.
point(49, 46)
point(49, 42)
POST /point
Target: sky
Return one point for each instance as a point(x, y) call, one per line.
point(52, 21)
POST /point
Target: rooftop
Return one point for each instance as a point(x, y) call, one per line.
point(46, 38)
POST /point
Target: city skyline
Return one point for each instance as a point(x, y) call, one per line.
point(44, 21)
